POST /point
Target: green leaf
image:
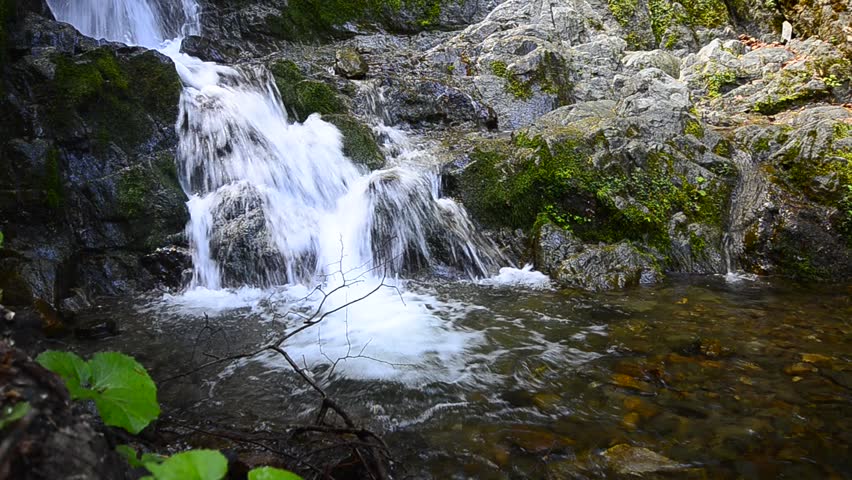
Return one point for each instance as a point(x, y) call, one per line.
point(269, 473)
point(191, 465)
point(73, 370)
point(12, 414)
point(125, 395)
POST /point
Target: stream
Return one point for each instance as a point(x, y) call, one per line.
point(730, 379)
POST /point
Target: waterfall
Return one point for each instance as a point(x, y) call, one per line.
point(273, 201)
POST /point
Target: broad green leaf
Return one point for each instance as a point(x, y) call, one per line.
point(269, 473)
point(12, 414)
point(73, 370)
point(125, 395)
point(191, 465)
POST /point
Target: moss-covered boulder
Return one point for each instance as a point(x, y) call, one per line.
point(301, 96)
point(87, 150)
point(359, 141)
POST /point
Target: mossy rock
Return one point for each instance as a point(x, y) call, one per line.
point(605, 200)
point(359, 142)
point(151, 201)
point(123, 99)
point(303, 97)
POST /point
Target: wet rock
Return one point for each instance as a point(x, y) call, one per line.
point(537, 441)
point(6, 314)
point(350, 64)
point(817, 359)
point(609, 267)
point(71, 306)
point(209, 50)
point(242, 243)
point(169, 265)
point(800, 369)
point(87, 153)
point(630, 460)
point(51, 323)
point(626, 381)
point(97, 330)
point(553, 245)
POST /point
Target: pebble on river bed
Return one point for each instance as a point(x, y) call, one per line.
point(629, 460)
point(800, 369)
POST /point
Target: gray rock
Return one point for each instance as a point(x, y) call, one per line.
point(350, 64)
point(608, 267)
point(661, 59)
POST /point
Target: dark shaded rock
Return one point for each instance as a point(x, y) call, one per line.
point(350, 64)
point(54, 439)
point(169, 265)
point(88, 140)
point(209, 50)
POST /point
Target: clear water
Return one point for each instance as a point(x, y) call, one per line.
point(745, 379)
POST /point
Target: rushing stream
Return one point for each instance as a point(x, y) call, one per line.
point(488, 377)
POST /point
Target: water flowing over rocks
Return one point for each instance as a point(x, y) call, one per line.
point(666, 129)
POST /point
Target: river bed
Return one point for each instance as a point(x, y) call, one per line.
point(725, 378)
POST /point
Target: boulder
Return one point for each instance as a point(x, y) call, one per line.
point(350, 64)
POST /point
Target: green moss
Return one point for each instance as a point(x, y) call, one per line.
point(694, 128)
point(606, 204)
point(304, 97)
point(133, 190)
point(53, 180)
point(114, 95)
point(723, 148)
point(622, 10)
point(359, 142)
point(697, 13)
point(761, 145)
point(521, 90)
point(316, 97)
point(551, 77)
point(776, 104)
point(719, 80)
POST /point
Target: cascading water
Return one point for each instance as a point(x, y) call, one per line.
point(274, 202)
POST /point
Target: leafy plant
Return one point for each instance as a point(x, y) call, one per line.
point(191, 465)
point(13, 413)
point(121, 388)
point(269, 473)
point(195, 465)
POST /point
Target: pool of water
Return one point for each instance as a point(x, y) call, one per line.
point(725, 379)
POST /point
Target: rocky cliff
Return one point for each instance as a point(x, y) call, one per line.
point(608, 141)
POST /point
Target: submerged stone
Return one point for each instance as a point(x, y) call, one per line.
point(629, 460)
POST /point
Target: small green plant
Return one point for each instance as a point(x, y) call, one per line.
point(126, 397)
point(13, 413)
point(718, 80)
point(121, 388)
point(832, 81)
point(195, 465)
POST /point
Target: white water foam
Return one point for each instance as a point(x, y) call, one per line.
point(519, 277)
